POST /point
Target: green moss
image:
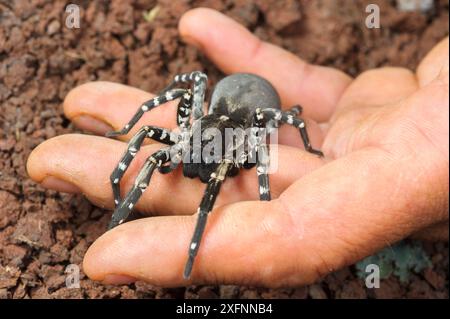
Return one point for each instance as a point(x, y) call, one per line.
point(399, 260)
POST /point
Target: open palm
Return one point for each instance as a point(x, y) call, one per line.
point(384, 176)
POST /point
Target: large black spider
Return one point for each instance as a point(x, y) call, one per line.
point(238, 101)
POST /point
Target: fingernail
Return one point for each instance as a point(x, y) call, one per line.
point(118, 280)
point(92, 124)
point(59, 185)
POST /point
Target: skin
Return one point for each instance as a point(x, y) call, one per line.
point(384, 176)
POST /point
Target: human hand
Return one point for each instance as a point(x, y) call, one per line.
point(384, 177)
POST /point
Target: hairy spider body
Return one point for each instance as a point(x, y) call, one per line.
point(200, 165)
point(240, 103)
point(232, 106)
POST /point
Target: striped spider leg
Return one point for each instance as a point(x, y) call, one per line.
point(159, 134)
point(206, 205)
point(261, 119)
point(140, 185)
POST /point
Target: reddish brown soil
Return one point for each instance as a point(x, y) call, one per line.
point(42, 231)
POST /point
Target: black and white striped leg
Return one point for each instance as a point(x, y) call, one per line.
point(206, 205)
point(142, 180)
point(184, 111)
point(296, 110)
point(176, 154)
point(199, 80)
point(301, 125)
point(304, 134)
point(262, 169)
point(147, 106)
point(265, 115)
point(158, 134)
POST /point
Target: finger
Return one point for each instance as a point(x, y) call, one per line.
point(338, 219)
point(434, 64)
point(384, 87)
point(248, 243)
point(379, 87)
point(100, 107)
point(234, 49)
point(87, 167)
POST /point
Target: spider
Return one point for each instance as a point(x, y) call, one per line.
point(240, 100)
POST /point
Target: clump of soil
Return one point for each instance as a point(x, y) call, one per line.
point(42, 231)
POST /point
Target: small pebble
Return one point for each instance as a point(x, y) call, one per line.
point(415, 5)
point(53, 27)
point(317, 292)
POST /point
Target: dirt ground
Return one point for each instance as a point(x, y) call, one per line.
point(42, 231)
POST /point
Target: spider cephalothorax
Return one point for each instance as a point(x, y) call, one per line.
point(243, 109)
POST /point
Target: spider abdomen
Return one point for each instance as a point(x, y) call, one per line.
point(240, 94)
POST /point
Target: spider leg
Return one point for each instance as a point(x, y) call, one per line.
point(176, 156)
point(142, 180)
point(262, 168)
point(166, 169)
point(288, 118)
point(262, 154)
point(184, 111)
point(199, 80)
point(158, 134)
point(206, 205)
point(147, 106)
point(300, 124)
point(296, 110)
